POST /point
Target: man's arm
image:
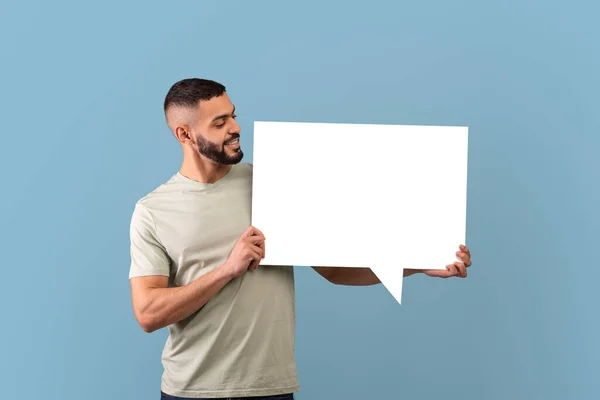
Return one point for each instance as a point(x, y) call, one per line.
point(365, 276)
point(353, 276)
point(155, 305)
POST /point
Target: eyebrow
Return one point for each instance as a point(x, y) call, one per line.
point(223, 115)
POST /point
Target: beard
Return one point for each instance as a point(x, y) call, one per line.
point(217, 152)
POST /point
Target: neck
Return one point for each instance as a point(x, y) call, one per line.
point(202, 169)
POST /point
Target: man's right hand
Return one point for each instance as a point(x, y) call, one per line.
point(157, 305)
point(247, 253)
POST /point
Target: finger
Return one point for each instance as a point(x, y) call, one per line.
point(255, 241)
point(259, 254)
point(259, 250)
point(256, 232)
point(253, 233)
point(452, 270)
point(461, 268)
point(464, 258)
point(465, 249)
point(255, 253)
point(248, 232)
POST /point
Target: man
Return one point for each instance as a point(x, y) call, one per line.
point(195, 264)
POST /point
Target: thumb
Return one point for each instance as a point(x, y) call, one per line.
point(248, 232)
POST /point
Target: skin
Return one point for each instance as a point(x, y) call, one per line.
point(203, 134)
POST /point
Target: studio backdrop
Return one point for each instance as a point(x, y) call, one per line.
point(83, 137)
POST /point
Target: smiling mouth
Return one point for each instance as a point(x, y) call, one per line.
point(233, 142)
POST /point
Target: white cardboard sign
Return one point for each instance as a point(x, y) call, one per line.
point(387, 197)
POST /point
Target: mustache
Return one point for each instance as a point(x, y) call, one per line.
point(233, 137)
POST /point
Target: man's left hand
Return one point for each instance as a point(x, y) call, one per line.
point(459, 268)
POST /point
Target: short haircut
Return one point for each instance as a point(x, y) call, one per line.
point(188, 92)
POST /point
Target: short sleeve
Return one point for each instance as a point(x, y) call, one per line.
point(148, 256)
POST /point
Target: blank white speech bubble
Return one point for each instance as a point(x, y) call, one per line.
point(387, 197)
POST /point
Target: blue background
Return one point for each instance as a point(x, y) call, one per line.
point(83, 137)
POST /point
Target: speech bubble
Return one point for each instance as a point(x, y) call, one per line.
point(386, 197)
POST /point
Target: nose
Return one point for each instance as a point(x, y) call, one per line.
point(235, 127)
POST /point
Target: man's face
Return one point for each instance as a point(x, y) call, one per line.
point(216, 131)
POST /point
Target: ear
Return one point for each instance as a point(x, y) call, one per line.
point(183, 134)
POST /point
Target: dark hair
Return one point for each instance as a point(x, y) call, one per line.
point(188, 92)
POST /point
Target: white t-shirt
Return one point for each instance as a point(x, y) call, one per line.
point(241, 343)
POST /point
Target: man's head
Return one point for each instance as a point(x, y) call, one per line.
point(201, 115)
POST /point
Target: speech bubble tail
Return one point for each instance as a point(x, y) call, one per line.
point(392, 279)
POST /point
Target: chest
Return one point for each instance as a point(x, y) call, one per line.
point(201, 229)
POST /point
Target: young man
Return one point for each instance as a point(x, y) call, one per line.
point(194, 264)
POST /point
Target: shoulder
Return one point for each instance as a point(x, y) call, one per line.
point(242, 171)
point(245, 167)
point(161, 193)
point(144, 207)
point(141, 217)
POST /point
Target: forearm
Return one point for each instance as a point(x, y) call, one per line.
point(348, 276)
point(165, 306)
point(351, 276)
point(355, 277)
